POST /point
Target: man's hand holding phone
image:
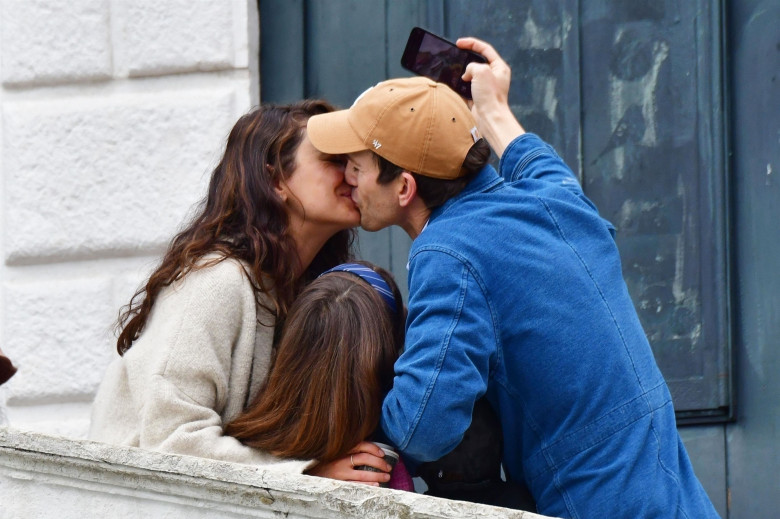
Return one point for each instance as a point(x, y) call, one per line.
point(473, 69)
point(490, 95)
point(434, 57)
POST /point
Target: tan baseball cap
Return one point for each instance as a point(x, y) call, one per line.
point(415, 123)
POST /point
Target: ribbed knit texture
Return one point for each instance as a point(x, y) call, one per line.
point(197, 364)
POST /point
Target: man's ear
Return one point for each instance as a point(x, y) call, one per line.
point(407, 190)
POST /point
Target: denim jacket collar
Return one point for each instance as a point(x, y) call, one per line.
point(486, 179)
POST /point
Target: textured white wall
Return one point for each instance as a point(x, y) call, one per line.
point(113, 114)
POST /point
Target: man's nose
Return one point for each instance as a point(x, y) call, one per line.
point(349, 175)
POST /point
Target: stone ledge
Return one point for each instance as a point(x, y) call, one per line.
point(82, 478)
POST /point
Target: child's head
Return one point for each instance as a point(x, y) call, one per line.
point(333, 365)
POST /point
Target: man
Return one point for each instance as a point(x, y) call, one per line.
point(516, 293)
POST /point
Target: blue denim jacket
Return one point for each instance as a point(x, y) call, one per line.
point(516, 291)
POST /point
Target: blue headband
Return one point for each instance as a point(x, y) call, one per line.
point(371, 277)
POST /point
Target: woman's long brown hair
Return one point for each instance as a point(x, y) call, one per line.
point(242, 217)
point(334, 365)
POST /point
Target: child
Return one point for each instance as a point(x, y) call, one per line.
point(333, 366)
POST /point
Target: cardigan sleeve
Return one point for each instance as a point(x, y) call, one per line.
point(180, 373)
point(182, 425)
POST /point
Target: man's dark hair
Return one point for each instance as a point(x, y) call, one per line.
point(435, 191)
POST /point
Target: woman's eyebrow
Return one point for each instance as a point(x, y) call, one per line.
point(328, 156)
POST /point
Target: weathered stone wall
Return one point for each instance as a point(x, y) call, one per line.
point(113, 114)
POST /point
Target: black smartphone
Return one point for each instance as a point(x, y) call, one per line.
point(441, 60)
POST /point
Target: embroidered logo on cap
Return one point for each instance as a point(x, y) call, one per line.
point(377, 144)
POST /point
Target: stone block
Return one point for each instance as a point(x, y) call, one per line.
point(153, 37)
point(127, 283)
point(67, 419)
point(3, 411)
point(54, 42)
point(58, 331)
point(108, 177)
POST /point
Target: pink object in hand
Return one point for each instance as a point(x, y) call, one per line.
point(400, 478)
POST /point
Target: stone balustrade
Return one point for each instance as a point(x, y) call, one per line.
point(49, 476)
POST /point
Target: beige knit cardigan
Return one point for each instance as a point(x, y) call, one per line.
point(200, 359)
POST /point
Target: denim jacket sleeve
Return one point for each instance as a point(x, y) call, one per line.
point(529, 157)
point(450, 349)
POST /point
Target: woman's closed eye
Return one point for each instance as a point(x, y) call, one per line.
point(339, 160)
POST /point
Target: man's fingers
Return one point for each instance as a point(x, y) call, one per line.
point(480, 47)
point(472, 69)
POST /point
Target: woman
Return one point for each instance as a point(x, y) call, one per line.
point(334, 364)
point(196, 341)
